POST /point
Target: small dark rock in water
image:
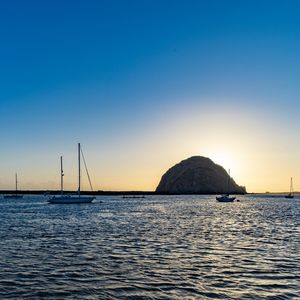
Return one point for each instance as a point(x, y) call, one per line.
point(198, 174)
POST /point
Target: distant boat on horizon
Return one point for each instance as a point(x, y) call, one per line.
point(226, 197)
point(72, 199)
point(290, 195)
point(16, 195)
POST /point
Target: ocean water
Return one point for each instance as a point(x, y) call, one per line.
point(160, 247)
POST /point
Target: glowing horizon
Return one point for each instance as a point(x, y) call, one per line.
point(140, 165)
point(145, 85)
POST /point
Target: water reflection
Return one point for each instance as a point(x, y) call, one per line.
point(160, 247)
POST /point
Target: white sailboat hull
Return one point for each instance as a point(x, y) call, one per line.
point(70, 199)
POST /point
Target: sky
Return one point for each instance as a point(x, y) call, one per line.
point(145, 84)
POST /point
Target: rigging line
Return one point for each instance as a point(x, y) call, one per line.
point(86, 169)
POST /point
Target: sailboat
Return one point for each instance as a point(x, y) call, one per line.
point(226, 197)
point(16, 195)
point(290, 195)
point(71, 199)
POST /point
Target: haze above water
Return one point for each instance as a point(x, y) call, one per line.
point(160, 247)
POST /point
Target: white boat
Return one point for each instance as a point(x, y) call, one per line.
point(15, 195)
point(72, 199)
point(290, 195)
point(226, 197)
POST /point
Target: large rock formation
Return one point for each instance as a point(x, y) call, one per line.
point(198, 174)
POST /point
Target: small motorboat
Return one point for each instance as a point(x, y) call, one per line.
point(225, 198)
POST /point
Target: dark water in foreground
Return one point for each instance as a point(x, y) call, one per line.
point(161, 247)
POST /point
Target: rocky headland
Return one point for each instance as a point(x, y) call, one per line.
point(198, 175)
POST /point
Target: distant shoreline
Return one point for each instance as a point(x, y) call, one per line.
point(98, 193)
point(122, 193)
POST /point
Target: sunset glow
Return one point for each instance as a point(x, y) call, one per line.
point(141, 95)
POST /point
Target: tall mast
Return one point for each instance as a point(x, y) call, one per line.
point(61, 176)
point(291, 186)
point(228, 181)
point(16, 183)
point(79, 169)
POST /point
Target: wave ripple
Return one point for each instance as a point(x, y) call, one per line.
point(160, 247)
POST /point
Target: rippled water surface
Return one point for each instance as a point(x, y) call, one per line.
point(160, 247)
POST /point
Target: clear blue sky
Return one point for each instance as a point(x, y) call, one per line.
point(119, 76)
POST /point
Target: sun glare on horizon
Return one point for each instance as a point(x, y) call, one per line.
point(225, 159)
